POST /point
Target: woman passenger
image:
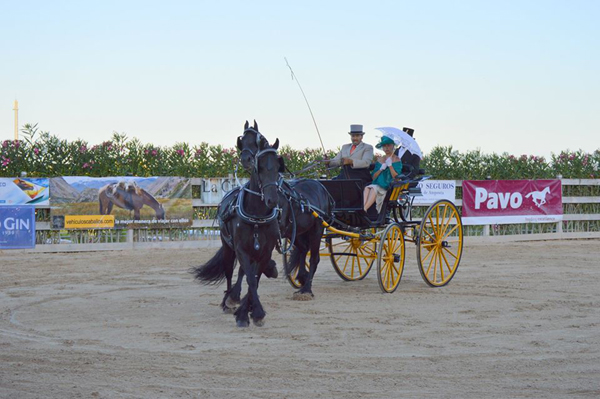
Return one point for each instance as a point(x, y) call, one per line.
point(386, 169)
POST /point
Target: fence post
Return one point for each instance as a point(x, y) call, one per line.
point(486, 230)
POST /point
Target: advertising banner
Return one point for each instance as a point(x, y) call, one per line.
point(212, 190)
point(81, 202)
point(24, 191)
point(511, 201)
point(17, 227)
point(435, 190)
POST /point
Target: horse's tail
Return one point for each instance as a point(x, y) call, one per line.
point(213, 271)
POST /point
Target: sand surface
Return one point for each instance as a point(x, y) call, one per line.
point(518, 320)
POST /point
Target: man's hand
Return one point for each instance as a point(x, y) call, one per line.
point(347, 161)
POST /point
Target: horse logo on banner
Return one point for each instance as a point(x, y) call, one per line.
point(539, 197)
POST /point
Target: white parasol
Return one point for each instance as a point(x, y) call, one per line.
point(401, 138)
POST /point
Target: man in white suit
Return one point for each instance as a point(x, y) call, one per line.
point(355, 158)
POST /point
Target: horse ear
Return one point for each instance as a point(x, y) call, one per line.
point(255, 125)
point(246, 125)
point(276, 144)
point(261, 142)
point(239, 143)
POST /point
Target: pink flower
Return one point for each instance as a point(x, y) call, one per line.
point(5, 143)
point(86, 165)
point(154, 152)
point(94, 148)
point(5, 162)
point(82, 149)
point(146, 152)
point(572, 157)
point(180, 152)
point(36, 150)
point(16, 143)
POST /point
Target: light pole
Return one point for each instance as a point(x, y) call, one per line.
point(16, 109)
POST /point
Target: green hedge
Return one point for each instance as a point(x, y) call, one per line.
point(44, 155)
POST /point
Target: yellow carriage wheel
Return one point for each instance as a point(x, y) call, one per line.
point(440, 243)
point(390, 259)
point(352, 258)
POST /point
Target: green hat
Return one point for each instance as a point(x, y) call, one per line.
point(384, 140)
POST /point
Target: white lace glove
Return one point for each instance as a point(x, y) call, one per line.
point(388, 161)
point(383, 167)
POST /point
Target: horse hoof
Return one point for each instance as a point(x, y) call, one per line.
point(228, 310)
point(230, 303)
point(303, 296)
point(258, 322)
point(243, 323)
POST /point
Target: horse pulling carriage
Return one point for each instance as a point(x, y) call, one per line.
point(355, 240)
point(310, 215)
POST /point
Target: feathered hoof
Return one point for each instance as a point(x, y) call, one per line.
point(242, 323)
point(230, 303)
point(258, 322)
point(302, 296)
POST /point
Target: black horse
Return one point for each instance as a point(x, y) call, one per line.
point(253, 231)
point(297, 223)
point(248, 222)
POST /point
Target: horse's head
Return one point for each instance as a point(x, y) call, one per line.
point(265, 170)
point(160, 212)
point(248, 143)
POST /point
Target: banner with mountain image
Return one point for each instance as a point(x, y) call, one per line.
point(120, 202)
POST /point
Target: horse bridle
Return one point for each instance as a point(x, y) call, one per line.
point(260, 184)
point(258, 137)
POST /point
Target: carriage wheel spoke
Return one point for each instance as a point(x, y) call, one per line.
point(445, 222)
point(432, 238)
point(450, 252)
point(446, 260)
point(450, 232)
point(441, 267)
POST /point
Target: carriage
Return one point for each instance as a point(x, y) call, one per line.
point(354, 240)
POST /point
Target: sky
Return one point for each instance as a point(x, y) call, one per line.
point(521, 77)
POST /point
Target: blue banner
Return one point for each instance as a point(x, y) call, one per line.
point(17, 227)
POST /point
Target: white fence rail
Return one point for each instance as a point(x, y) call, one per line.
point(202, 232)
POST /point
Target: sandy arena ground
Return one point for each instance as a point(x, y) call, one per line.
point(518, 320)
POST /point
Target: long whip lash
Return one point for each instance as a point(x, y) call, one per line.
point(294, 77)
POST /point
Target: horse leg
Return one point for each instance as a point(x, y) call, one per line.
point(298, 258)
point(258, 313)
point(109, 208)
point(233, 299)
point(229, 265)
point(314, 239)
point(241, 314)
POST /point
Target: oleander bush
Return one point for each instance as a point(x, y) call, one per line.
point(41, 154)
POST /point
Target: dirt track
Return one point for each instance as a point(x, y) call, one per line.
point(518, 320)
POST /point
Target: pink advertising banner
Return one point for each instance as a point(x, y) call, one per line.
point(511, 201)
